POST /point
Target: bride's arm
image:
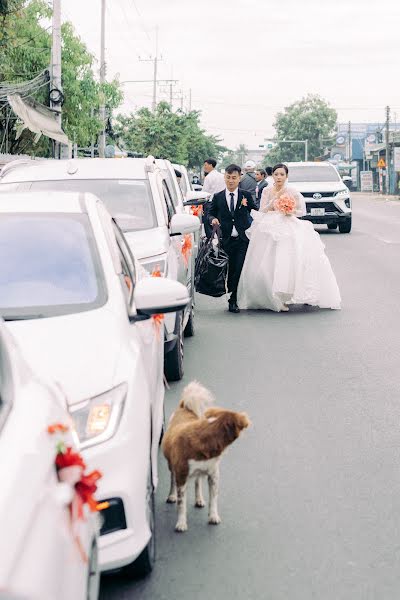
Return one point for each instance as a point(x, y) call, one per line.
point(265, 204)
point(300, 204)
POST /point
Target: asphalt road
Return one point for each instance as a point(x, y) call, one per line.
point(310, 495)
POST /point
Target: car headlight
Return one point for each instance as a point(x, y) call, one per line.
point(97, 419)
point(342, 193)
point(155, 263)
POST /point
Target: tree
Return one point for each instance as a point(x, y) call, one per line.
point(310, 118)
point(164, 133)
point(235, 156)
point(25, 51)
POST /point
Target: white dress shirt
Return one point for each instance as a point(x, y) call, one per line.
point(228, 201)
point(214, 182)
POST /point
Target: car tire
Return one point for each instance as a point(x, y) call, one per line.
point(144, 563)
point(345, 226)
point(332, 225)
point(93, 579)
point(189, 329)
point(173, 361)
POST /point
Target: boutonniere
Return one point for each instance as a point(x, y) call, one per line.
point(243, 202)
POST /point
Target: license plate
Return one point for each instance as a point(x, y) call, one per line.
point(317, 212)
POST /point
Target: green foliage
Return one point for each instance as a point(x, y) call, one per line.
point(236, 157)
point(164, 133)
point(310, 118)
point(25, 51)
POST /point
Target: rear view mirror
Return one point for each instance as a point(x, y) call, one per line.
point(182, 224)
point(158, 295)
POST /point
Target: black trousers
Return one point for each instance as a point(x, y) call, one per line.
point(236, 249)
point(206, 219)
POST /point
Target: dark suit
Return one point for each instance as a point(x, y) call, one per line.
point(259, 190)
point(235, 247)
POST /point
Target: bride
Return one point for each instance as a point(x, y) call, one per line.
point(285, 261)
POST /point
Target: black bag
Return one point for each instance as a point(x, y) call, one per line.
point(211, 268)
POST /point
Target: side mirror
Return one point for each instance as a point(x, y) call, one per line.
point(157, 295)
point(183, 223)
point(196, 198)
point(197, 187)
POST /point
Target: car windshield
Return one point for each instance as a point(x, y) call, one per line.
point(311, 174)
point(128, 200)
point(49, 266)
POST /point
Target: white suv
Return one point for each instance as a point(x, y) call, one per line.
point(144, 198)
point(327, 198)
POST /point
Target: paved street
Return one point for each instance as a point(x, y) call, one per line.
point(310, 495)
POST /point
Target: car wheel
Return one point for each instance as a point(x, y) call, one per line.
point(189, 329)
point(345, 226)
point(173, 362)
point(332, 225)
point(144, 563)
point(93, 580)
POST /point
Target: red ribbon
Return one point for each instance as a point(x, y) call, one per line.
point(187, 247)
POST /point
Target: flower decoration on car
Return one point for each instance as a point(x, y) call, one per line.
point(197, 210)
point(71, 470)
point(158, 318)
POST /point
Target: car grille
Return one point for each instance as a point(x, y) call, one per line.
point(323, 194)
point(328, 206)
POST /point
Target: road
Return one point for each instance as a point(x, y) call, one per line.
point(310, 495)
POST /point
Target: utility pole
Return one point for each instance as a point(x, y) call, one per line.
point(102, 137)
point(350, 143)
point(387, 150)
point(155, 68)
point(56, 66)
point(190, 99)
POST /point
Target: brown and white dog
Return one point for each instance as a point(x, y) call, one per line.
point(193, 444)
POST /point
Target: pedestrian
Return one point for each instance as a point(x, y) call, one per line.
point(261, 184)
point(269, 179)
point(231, 210)
point(248, 182)
point(214, 182)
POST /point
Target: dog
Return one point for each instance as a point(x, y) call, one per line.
point(193, 444)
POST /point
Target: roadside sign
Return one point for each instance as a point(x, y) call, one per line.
point(366, 181)
point(381, 163)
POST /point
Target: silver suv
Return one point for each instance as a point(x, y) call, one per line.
point(327, 198)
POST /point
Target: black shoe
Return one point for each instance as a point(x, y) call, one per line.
point(233, 307)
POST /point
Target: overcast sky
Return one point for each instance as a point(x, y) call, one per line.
point(245, 60)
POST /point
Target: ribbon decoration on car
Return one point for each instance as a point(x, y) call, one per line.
point(197, 210)
point(158, 318)
point(187, 247)
point(71, 468)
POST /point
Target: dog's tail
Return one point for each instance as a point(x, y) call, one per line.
point(197, 398)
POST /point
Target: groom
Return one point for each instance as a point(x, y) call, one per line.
point(231, 210)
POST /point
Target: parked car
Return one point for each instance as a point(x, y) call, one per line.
point(144, 197)
point(40, 558)
point(327, 199)
point(79, 305)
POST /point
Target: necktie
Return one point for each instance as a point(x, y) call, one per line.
point(232, 207)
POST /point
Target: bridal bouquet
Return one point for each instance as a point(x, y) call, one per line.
point(285, 204)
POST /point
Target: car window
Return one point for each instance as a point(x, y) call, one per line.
point(128, 200)
point(303, 174)
point(49, 265)
point(168, 201)
point(172, 188)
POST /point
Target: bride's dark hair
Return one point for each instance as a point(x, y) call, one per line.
point(281, 166)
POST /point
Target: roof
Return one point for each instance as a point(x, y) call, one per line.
point(78, 168)
point(50, 202)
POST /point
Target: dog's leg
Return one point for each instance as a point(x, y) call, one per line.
point(213, 481)
point(181, 524)
point(172, 492)
point(199, 502)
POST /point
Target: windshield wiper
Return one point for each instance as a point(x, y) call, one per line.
point(21, 317)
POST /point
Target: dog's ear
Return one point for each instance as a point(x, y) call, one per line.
point(243, 420)
point(230, 426)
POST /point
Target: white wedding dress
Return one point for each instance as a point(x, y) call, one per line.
point(285, 261)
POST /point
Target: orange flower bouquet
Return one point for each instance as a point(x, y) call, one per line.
point(285, 204)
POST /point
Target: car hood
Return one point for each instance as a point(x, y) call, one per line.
point(150, 242)
point(79, 352)
point(315, 186)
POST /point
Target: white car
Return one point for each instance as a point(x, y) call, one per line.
point(40, 558)
point(327, 198)
point(79, 307)
point(144, 197)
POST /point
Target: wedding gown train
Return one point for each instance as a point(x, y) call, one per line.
point(285, 261)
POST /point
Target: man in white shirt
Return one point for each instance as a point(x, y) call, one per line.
point(214, 182)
